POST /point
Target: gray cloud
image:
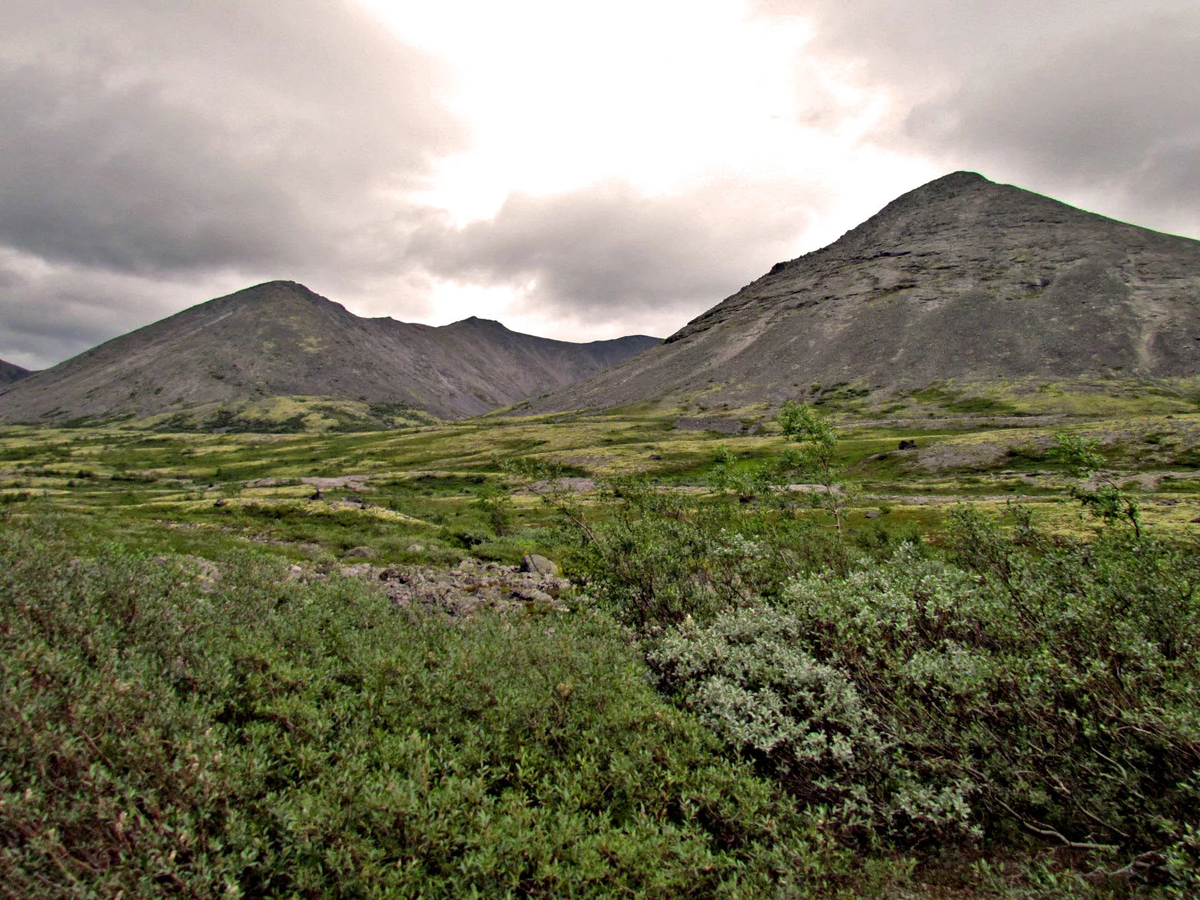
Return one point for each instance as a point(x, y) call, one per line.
point(151, 151)
point(143, 136)
point(1096, 101)
point(156, 154)
point(609, 252)
point(50, 312)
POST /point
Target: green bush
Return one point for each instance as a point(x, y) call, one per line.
point(163, 734)
point(1046, 686)
point(752, 677)
point(662, 556)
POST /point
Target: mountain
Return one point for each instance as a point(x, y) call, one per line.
point(960, 280)
point(10, 372)
point(282, 340)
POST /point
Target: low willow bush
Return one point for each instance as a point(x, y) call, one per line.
point(1021, 684)
point(161, 736)
point(661, 557)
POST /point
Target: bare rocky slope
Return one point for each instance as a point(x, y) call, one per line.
point(10, 372)
point(960, 280)
point(281, 339)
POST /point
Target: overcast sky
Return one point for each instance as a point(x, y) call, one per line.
point(579, 171)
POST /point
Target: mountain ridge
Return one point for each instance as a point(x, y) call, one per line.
point(281, 339)
point(11, 372)
point(961, 280)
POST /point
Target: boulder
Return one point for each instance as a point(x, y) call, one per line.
point(538, 565)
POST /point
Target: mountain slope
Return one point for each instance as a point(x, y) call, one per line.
point(10, 372)
point(961, 279)
point(281, 339)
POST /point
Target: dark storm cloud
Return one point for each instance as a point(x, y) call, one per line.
point(146, 136)
point(51, 312)
point(1093, 99)
point(151, 150)
point(606, 252)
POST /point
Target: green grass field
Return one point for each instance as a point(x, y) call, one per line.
point(184, 492)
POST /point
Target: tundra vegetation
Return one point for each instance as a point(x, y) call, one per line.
point(796, 663)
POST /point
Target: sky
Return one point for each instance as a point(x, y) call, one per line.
point(578, 171)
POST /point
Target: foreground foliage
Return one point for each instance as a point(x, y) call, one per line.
point(267, 738)
point(1013, 686)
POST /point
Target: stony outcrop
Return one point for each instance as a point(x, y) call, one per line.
point(474, 585)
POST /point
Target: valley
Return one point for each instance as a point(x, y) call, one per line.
point(881, 578)
point(394, 490)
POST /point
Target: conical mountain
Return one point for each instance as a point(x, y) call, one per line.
point(281, 339)
point(10, 372)
point(961, 280)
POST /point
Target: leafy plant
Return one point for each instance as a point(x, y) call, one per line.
point(815, 457)
point(1107, 501)
point(259, 736)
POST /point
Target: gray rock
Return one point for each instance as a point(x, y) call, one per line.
point(532, 594)
point(710, 423)
point(361, 553)
point(538, 565)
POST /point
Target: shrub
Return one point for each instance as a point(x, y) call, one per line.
point(661, 556)
point(277, 739)
point(1044, 686)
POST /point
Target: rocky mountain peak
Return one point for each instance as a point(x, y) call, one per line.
point(281, 340)
point(962, 280)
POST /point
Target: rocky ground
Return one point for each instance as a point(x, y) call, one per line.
point(472, 585)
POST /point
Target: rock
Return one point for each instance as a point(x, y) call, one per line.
point(415, 548)
point(872, 514)
point(533, 595)
point(538, 565)
point(710, 423)
point(361, 553)
point(468, 587)
point(908, 445)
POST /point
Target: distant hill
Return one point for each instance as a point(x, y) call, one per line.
point(10, 372)
point(961, 280)
point(280, 340)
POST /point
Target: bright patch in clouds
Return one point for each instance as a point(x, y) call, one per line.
point(560, 95)
point(670, 99)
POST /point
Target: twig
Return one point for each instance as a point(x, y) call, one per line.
point(1046, 831)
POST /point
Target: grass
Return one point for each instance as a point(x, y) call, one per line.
point(420, 482)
